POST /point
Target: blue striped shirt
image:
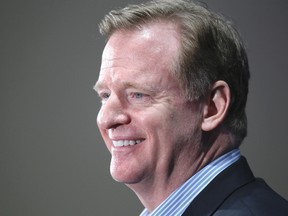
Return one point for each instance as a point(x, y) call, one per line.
point(180, 199)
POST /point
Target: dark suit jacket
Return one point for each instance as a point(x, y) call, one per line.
point(236, 192)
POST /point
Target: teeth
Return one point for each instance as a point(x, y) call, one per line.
point(120, 143)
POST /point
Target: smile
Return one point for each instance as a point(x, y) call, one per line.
point(120, 143)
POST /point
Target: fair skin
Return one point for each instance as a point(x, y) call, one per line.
point(152, 132)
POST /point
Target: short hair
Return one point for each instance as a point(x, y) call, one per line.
point(211, 50)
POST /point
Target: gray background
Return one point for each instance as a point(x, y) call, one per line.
point(52, 158)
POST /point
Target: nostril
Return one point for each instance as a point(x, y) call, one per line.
point(112, 119)
point(120, 119)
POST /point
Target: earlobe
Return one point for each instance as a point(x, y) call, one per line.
point(216, 106)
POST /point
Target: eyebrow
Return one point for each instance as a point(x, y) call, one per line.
point(144, 87)
point(98, 86)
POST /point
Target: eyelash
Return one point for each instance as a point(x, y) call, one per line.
point(138, 97)
point(104, 96)
point(135, 96)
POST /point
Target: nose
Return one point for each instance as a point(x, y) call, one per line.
point(112, 114)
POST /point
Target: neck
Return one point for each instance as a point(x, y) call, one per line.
point(154, 191)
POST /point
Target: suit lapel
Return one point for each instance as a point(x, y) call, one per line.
point(232, 178)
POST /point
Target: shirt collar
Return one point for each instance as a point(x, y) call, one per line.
point(180, 199)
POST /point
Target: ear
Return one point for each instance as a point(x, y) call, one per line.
point(216, 106)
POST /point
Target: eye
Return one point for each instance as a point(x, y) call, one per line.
point(104, 96)
point(138, 95)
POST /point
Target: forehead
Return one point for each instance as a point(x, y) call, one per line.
point(158, 41)
point(140, 53)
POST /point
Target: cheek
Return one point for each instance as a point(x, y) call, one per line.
point(156, 118)
point(184, 123)
point(159, 126)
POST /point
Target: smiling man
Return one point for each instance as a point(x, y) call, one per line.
point(173, 85)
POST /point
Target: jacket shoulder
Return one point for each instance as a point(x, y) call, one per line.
point(255, 198)
point(235, 191)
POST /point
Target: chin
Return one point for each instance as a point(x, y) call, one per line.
point(126, 176)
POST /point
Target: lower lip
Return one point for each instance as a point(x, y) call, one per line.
point(125, 148)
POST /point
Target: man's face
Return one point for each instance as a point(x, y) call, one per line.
point(147, 125)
